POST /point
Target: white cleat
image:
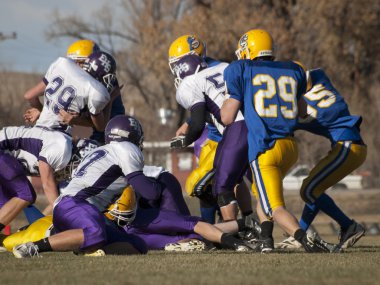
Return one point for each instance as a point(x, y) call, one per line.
point(187, 246)
point(26, 250)
point(288, 243)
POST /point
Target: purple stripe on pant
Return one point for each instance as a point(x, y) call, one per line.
point(231, 158)
point(158, 227)
point(71, 213)
point(13, 180)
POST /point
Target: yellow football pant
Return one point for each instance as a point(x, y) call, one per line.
point(200, 177)
point(268, 171)
point(36, 231)
point(343, 158)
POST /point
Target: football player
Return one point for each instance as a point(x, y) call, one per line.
point(78, 51)
point(270, 93)
point(29, 151)
point(328, 116)
point(200, 89)
point(199, 181)
point(102, 175)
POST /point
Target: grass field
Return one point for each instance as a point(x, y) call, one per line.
point(358, 265)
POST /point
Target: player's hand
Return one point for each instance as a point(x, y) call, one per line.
point(177, 142)
point(182, 130)
point(31, 115)
point(67, 117)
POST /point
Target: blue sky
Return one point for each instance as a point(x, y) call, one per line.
point(30, 51)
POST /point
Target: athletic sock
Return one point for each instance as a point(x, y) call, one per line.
point(43, 245)
point(2, 226)
point(308, 215)
point(326, 204)
point(229, 241)
point(208, 214)
point(299, 235)
point(266, 229)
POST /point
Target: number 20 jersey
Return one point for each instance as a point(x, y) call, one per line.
point(205, 87)
point(70, 88)
point(268, 90)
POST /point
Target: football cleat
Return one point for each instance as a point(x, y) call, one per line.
point(314, 244)
point(96, 253)
point(187, 246)
point(26, 250)
point(349, 236)
point(288, 243)
point(265, 245)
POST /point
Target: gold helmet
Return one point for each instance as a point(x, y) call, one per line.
point(80, 50)
point(123, 210)
point(254, 44)
point(184, 45)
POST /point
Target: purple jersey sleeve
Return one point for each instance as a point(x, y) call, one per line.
point(147, 187)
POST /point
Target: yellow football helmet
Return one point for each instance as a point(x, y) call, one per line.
point(254, 44)
point(80, 50)
point(123, 211)
point(184, 45)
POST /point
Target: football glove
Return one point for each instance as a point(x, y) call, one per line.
point(178, 142)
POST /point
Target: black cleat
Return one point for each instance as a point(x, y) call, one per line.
point(349, 236)
point(314, 244)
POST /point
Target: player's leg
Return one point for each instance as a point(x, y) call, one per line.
point(172, 197)
point(34, 232)
point(230, 165)
point(344, 158)
point(17, 191)
point(200, 180)
point(269, 170)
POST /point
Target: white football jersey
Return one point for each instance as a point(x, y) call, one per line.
point(206, 86)
point(31, 144)
point(100, 176)
point(72, 89)
point(153, 171)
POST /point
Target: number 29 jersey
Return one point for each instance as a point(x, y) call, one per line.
point(269, 91)
point(70, 88)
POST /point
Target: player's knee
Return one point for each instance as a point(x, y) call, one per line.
point(226, 198)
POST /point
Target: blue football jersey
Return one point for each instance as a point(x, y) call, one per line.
point(328, 112)
point(268, 90)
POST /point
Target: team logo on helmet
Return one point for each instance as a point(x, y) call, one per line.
point(106, 63)
point(193, 43)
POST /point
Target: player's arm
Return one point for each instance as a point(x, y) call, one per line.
point(73, 118)
point(147, 187)
point(229, 110)
point(33, 93)
point(195, 129)
point(48, 183)
point(302, 107)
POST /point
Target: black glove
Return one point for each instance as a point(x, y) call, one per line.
point(178, 142)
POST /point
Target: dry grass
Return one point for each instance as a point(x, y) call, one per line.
point(358, 265)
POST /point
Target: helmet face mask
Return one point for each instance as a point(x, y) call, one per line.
point(255, 44)
point(185, 45)
point(124, 128)
point(186, 66)
point(102, 66)
point(80, 150)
